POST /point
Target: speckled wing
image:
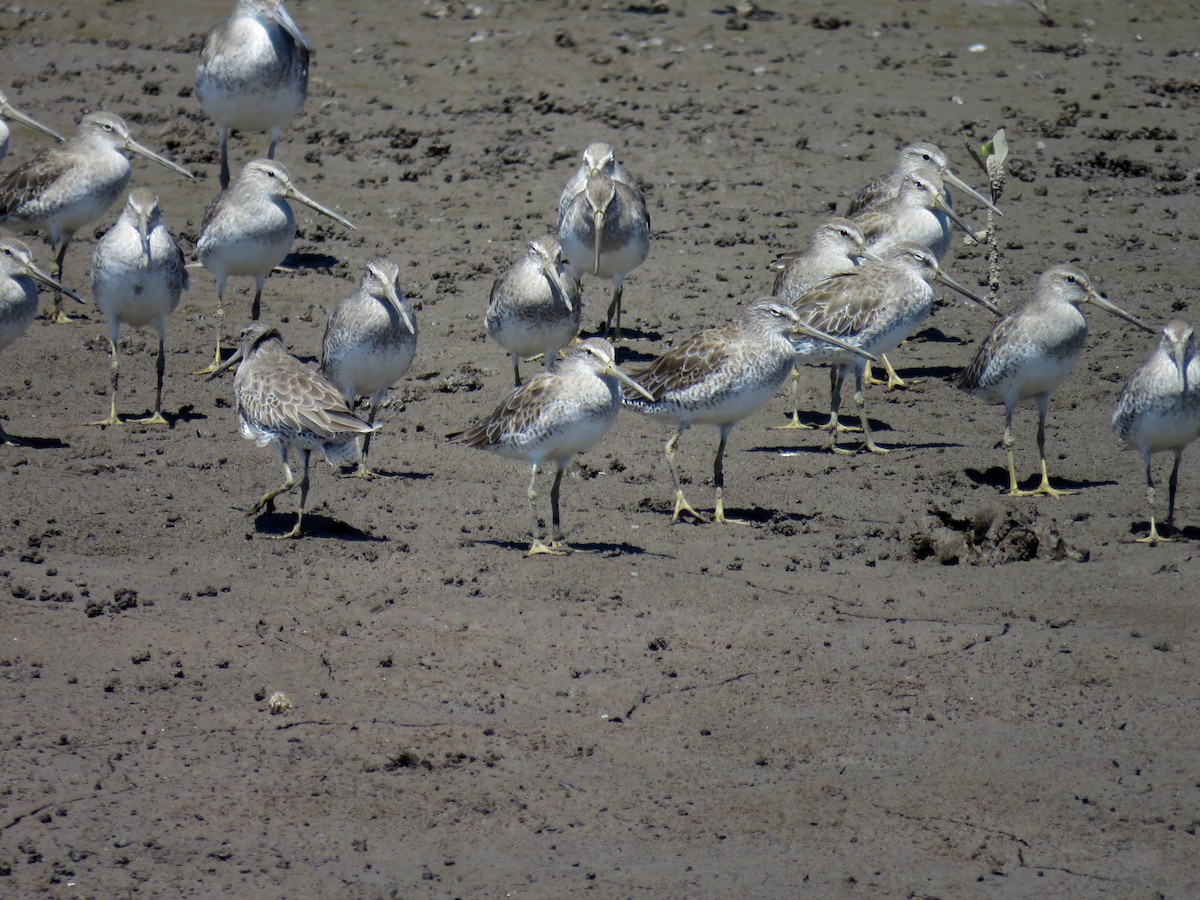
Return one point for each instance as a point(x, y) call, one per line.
point(298, 400)
point(681, 367)
point(213, 208)
point(986, 368)
point(838, 306)
point(874, 223)
point(517, 415)
point(29, 180)
point(869, 195)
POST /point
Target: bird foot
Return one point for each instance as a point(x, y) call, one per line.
point(265, 505)
point(896, 384)
point(843, 451)
point(212, 368)
point(541, 548)
point(294, 533)
point(1043, 488)
point(875, 448)
point(794, 425)
point(364, 473)
point(58, 317)
point(683, 508)
point(721, 518)
point(155, 419)
point(841, 428)
point(114, 419)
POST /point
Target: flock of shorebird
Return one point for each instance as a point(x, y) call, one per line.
point(863, 286)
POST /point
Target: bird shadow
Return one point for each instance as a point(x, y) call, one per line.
point(625, 356)
point(627, 334)
point(997, 477)
point(596, 548)
point(36, 443)
point(755, 515)
point(317, 261)
point(273, 524)
point(944, 374)
point(935, 335)
point(1187, 533)
point(348, 472)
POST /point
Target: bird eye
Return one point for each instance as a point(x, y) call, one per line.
point(1070, 279)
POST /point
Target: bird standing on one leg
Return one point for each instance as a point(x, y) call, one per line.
point(1159, 409)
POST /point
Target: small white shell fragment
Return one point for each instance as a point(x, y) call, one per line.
point(279, 702)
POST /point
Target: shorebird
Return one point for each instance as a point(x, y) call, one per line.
point(602, 159)
point(1159, 409)
point(138, 274)
point(18, 295)
point(253, 73)
point(911, 158)
point(837, 247)
point(9, 113)
point(873, 309)
point(73, 184)
point(1031, 351)
point(535, 305)
point(249, 229)
point(606, 231)
point(553, 416)
point(369, 342)
point(720, 377)
point(919, 212)
point(282, 402)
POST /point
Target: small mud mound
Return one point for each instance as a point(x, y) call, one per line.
point(990, 537)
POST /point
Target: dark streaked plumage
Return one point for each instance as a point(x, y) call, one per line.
point(73, 184)
point(370, 342)
point(253, 73)
point(138, 275)
point(19, 277)
point(1159, 409)
point(9, 113)
point(248, 230)
point(553, 416)
point(1031, 351)
point(535, 305)
point(873, 308)
point(606, 231)
point(720, 377)
point(282, 402)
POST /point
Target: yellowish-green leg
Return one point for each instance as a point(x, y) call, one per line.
point(795, 395)
point(682, 507)
point(719, 479)
point(160, 368)
point(216, 363)
point(1043, 487)
point(113, 418)
point(538, 547)
point(295, 532)
point(59, 317)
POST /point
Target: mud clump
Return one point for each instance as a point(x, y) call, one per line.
point(990, 537)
